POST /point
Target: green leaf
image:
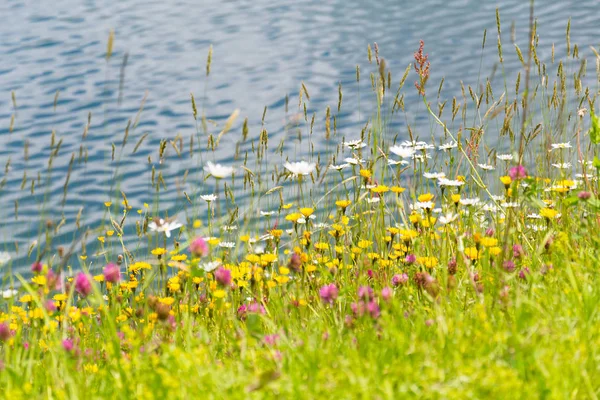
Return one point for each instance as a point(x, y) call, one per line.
point(594, 203)
point(596, 162)
point(594, 129)
point(569, 201)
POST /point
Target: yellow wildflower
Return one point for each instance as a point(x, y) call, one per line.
point(159, 251)
point(428, 262)
point(506, 181)
point(548, 213)
point(307, 211)
point(343, 204)
point(321, 246)
point(293, 217)
point(489, 242)
point(425, 197)
point(365, 173)
point(380, 189)
point(472, 253)
point(39, 280)
point(26, 298)
point(363, 244)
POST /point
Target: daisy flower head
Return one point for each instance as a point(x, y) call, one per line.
point(565, 165)
point(339, 167)
point(417, 145)
point(470, 202)
point(450, 182)
point(448, 146)
point(208, 197)
point(395, 162)
point(448, 218)
point(505, 157)
point(355, 144)
point(210, 266)
point(434, 175)
point(555, 146)
point(424, 205)
point(486, 167)
point(421, 157)
point(402, 151)
point(9, 293)
point(301, 168)
point(166, 226)
point(4, 257)
point(218, 171)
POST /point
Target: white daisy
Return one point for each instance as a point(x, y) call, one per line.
point(470, 202)
point(394, 162)
point(9, 293)
point(448, 218)
point(265, 238)
point(450, 182)
point(486, 167)
point(566, 145)
point(417, 145)
point(420, 205)
point(227, 245)
point(401, 151)
point(267, 213)
point(434, 175)
point(339, 167)
point(490, 208)
point(505, 157)
point(448, 146)
point(300, 168)
point(421, 157)
point(536, 228)
point(210, 266)
point(218, 171)
point(160, 225)
point(562, 165)
point(355, 144)
point(208, 197)
point(354, 161)
point(4, 257)
point(259, 249)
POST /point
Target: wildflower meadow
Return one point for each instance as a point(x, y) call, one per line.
point(455, 262)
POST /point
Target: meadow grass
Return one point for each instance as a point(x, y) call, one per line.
point(445, 265)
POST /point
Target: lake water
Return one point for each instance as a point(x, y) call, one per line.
point(262, 51)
